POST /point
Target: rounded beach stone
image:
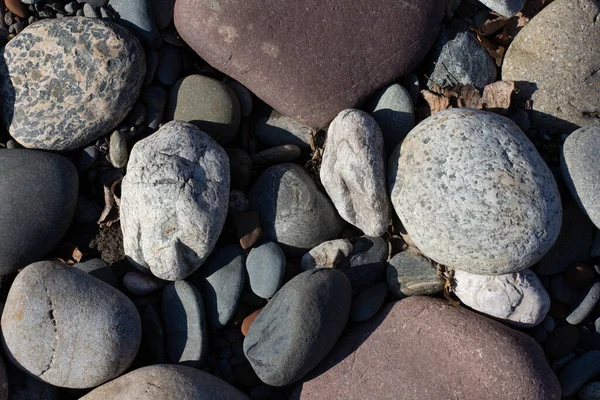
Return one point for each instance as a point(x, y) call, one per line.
point(38, 197)
point(410, 274)
point(68, 328)
point(579, 371)
point(243, 95)
point(366, 264)
point(506, 8)
point(141, 284)
point(266, 269)
point(327, 254)
point(137, 17)
point(279, 130)
point(292, 211)
point(587, 305)
point(353, 171)
point(174, 200)
point(474, 194)
point(591, 391)
point(163, 12)
point(65, 83)
point(366, 304)
point(207, 103)
point(299, 326)
point(559, 66)
point(166, 382)
point(406, 351)
point(518, 298)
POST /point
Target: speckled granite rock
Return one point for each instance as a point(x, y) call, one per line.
point(506, 8)
point(65, 83)
point(310, 75)
point(473, 193)
point(561, 65)
point(174, 200)
point(353, 171)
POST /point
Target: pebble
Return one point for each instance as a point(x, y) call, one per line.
point(185, 324)
point(506, 8)
point(241, 168)
point(591, 391)
point(586, 306)
point(169, 66)
point(243, 95)
point(101, 270)
point(218, 114)
point(299, 326)
point(137, 17)
point(353, 171)
point(248, 228)
point(247, 322)
point(137, 115)
point(561, 341)
point(69, 104)
point(366, 304)
point(151, 66)
point(410, 274)
point(155, 100)
point(326, 255)
point(85, 158)
point(86, 212)
point(549, 324)
point(89, 11)
point(559, 289)
point(141, 284)
point(276, 155)
point(518, 298)
point(279, 130)
point(166, 226)
point(68, 328)
point(117, 149)
point(163, 12)
point(456, 173)
point(72, 7)
point(266, 269)
point(559, 364)
point(238, 203)
point(366, 265)
point(153, 337)
point(579, 371)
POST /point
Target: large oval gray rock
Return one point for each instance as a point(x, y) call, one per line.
point(353, 171)
point(65, 83)
point(299, 326)
point(292, 211)
point(266, 269)
point(38, 196)
point(68, 328)
point(474, 194)
point(174, 200)
point(166, 382)
point(560, 66)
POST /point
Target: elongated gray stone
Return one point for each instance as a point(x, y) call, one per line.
point(579, 371)
point(506, 8)
point(586, 306)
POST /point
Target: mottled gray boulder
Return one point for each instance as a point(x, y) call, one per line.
point(174, 200)
point(581, 170)
point(166, 382)
point(559, 66)
point(68, 328)
point(266, 268)
point(65, 83)
point(410, 274)
point(299, 326)
point(327, 254)
point(473, 193)
point(292, 211)
point(278, 130)
point(353, 171)
point(137, 16)
point(506, 8)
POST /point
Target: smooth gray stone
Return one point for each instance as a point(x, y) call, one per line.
point(549, 324)
point(506, 8)
point(86, 212)
point(276, 155)
point(366, 304)
point(85, 158)
point(155, 100)
point(559, 289)
point(151, 66)
point(579, 371)
point(99, 269)
point(327, 254)
point(243, 95)
point(240, 165)
point(278, 130)
point(137, 16)
point(366, 264)
point(266, 269)
point(169, 65)
point(152, 347)
point(586, 306)
point(89, 11)
point(163, 12)
point(591, 391)
point(186, 331)
point(141, 284)
point(410, 274)
point(117, 150)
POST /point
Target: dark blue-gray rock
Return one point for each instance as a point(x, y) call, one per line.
point(38, 196)
point(409, 274)
point(579, 371)
point(141, 284)
point(238, 202)
point(68, 328)
point(276, 155)
point(243, 95)
point(169, 65)
point(155, 100)
point(266, 269)
point(163, 12)
point(23, 386)
point(185, 324)
point(367, 263)
point(299, 326)
point(278, 130)
point(366, 304)
point(591, 391)
point(587, 305)
point(86, 212)
point(559, 289)
point(65, 83)
point(152, 348)
point(240, 165)
point(151, 66)
point(137, 16)
point(99, 269)
point(221, 281)
point(86, 157)
point(292, 210)
point(506, 8)
point(463, 61)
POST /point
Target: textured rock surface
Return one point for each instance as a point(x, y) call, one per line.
point(65, 83)
point(292, 211)
point(68, 328)
point(353, 171)
point(407, 350)
point(266, 269)
point(561, 65)
point(299, 326)
point(38, 196)
point(506, 8)
point(277, 130)
point(410, 274)
point(473, 193)
point(174, 200)
point(166, 382)
point(327, 254)
point(310, 75)
point(518, 298)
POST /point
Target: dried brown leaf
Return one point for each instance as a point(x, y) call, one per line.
point(498, 95)
point(494, 49)
point(470, 97)
point(112, 201)
point(492, 26)
point(437, 102)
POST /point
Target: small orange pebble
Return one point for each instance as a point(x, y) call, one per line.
point(249, 320)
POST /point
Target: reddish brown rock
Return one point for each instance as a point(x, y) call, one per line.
point(248, 229)
point(247, 322)
point(424, 348)
point(311, 61)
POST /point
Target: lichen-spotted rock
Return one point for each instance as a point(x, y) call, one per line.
point(474, 194)
point(65, 83)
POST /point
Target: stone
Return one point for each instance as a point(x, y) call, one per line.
point(453, 183)
point(366, 304)
point(238, 203)
point(86, 212)
point(326, 255)
point(410, 274)
point(247, 322)
point(155, 100)
point(99, 269)
point(117, 149)
point(310, 76)
point(95, 3)
point(506, 8)
point(579, 170)
point(244, 96)
point(247, 228)
point(561, 341)
point(152, 348)
point(137, 115)
point(207, 103)
point(83, 77)
point(406, 351)
point(23, 386)
point(276, 155)
point(591, 391)
point(292, 211)
point(549, 324)
point(353, 171)
point(89, 12)
point(221, 281)
point(266, 269)
point(299, 326)
point(393, 109)
point(579, 371)
point(166, 381)
point(241, 168)
point(565, 94)
point(141, 284)
point(366, 264)
point(518, 298)
point(169, 66)
point(580, 276)
point(186, 332)
point(16, 7)
point(163, 12)
point(559, 289)
point(587, 305)
point(38, 197)
point(174, 200)
point(151, 66)
point(137, 17)
point(68, 328)
point(279, 130)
